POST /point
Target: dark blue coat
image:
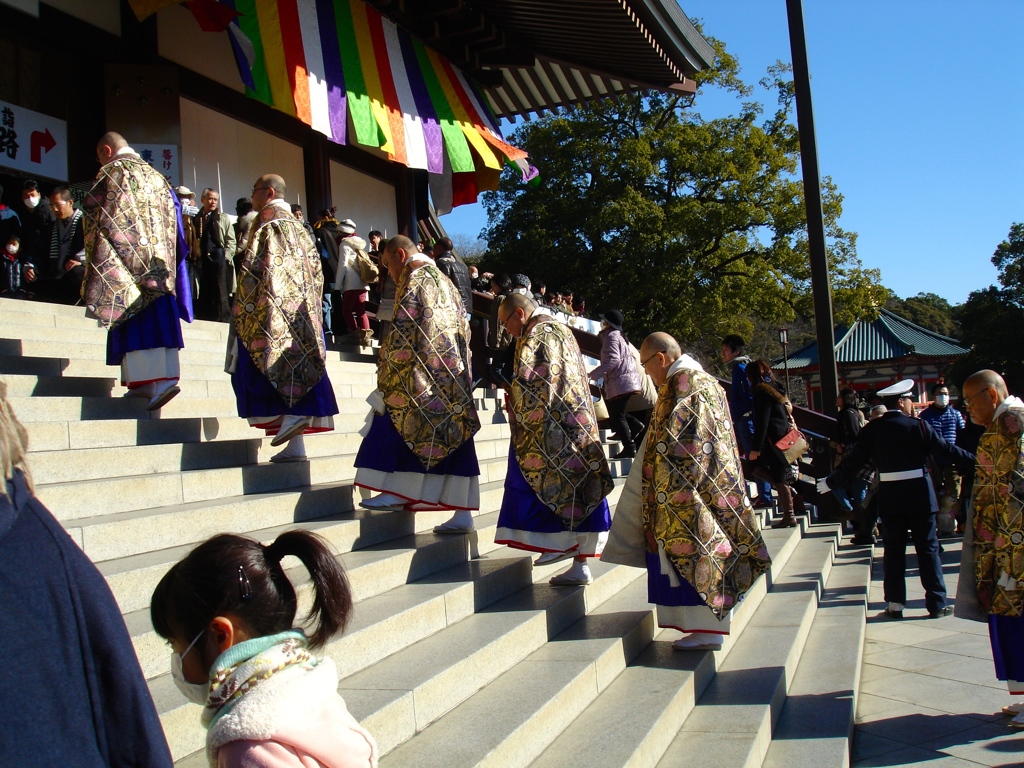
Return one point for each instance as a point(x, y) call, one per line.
point(71, 690)
point(897, 443)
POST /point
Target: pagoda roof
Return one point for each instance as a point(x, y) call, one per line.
point(888, 337)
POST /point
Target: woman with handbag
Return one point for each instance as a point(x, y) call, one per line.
point(772, 423)
point(621, 377)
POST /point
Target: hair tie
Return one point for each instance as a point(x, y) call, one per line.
point(272, 554)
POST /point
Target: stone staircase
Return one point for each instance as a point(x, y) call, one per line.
point(458, 653)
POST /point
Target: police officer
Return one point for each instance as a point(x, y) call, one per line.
point(898, 445)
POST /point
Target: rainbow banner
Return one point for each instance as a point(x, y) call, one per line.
point(336, 64)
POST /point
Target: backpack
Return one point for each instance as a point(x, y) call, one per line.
point(368, 271)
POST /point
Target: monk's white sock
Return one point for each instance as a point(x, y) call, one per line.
point(462, 518)
point(578, 570)
point(296, 448)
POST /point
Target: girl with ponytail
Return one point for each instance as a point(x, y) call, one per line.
point(228, 612)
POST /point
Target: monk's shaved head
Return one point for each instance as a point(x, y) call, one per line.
point(113, 140)
point(660, 341)
point(514, 301)
point(403, 242)
point(984, 379)
point(274, 182)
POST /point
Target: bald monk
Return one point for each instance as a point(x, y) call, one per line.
point(279, 366)
point(136, 281)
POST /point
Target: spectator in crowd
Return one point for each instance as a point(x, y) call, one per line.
point(36, 219)
point(66, 655)
point(557, 477)
point(621, 380)
point(10, 223)
point(521, 284)
point(948, 422)
point(298, 214)
point(877, 412)
point(772, 420)
point(375, 238)
point(497, 337)
point(992, 562)
point(540, 293)
point(741, 408)
point(683, 513)
point(419, 451)
point(849, 421)
point(968, 439)
point(327, 237)
point(136, 281)
point(386, 288)
point(216, 237)
point(481, 282)
point(11, 269)
point(280, 367)
point(57, 275)
point(187, 198)
point(228, 611)
point(352, 286)
point(454, 268)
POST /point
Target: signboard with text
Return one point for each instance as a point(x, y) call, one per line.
point(164, 157)
point(33, 142)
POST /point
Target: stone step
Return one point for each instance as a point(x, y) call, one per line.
point(446, 633)
point(134, 494)
point(732, 723)
point(384, 562)
point(89, 342)
point(817, 721)
point(250, 448)
point(574, 668)
point(17, 324)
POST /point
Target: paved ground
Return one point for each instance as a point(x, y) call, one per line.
point(928, 693)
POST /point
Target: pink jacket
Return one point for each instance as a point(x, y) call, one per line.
point(295, 719)
point(618, 366)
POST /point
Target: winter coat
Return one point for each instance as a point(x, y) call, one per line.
point(618, 366)
point(347, 277)
point(771, 423)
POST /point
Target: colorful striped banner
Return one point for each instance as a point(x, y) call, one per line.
point(332, 62)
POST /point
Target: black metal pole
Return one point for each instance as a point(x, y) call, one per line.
point(820, 287)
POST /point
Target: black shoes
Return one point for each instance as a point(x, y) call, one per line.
point(893, 614)
point(941, 613)
point(628, 452)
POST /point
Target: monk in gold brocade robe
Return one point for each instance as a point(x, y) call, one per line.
point(136, 282)
point(683, 512)
point(418, 450)
point(991, 586)
point(557, 477)
point(279, 363)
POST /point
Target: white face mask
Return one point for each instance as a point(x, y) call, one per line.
point(31, 201)
point(942, 400)
point(12, 249)
point(197, 693)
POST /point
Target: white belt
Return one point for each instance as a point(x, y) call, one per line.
point(907, 474)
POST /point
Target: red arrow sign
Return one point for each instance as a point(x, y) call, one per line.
point(41, 142)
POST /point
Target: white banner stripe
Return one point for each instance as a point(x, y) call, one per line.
point(415, 142)
point(309, 26)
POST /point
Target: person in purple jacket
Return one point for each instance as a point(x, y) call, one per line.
point(621, 377)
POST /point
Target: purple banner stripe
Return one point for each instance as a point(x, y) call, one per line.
point(431, 128)
point(337, 104)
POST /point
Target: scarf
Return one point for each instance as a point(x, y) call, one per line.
point(61, 237)
point(244, 666)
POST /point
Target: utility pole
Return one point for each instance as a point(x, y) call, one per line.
point(820, 286)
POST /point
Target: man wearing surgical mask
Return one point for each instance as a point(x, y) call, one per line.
point(948, 422)
point(36, 219)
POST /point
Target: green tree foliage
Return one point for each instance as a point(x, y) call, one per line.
point(991, 319)
point(692, 226)
point(927, 310)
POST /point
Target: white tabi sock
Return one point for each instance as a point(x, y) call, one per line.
point(160, 387)
point(578, 570)
point(462, 518)
point(699, 640)
point(296, 447)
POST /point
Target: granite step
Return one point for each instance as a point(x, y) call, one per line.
point(733, 721)
point(817, 722)
point(575, 668)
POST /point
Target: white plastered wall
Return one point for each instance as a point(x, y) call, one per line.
point(180, 39)
point(368, 201)
point(215, 144)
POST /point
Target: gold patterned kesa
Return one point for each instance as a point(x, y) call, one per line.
point(554, 428)
point(692, 490)
point(999, 515)
point(423, 371)
point(131, 232)
point(278, 311)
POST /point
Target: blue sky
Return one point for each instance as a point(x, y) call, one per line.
point(919, 110)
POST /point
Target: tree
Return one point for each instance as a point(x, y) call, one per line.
point(471, 249)
point(927, 310)
point(990, 320)
point(687, 225)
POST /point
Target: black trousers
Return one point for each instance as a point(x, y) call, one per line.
point(926, 543)
point(63, 290)
point(214, 287)
point(624, 425)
